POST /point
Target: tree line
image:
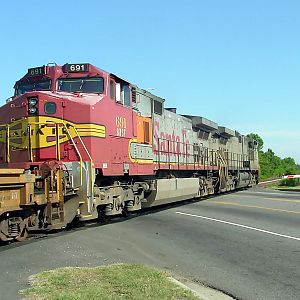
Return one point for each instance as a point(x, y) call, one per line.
point(271, 165)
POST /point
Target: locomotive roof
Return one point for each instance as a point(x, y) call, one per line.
point(226, 131)
point(202, 123)
point(148, 94)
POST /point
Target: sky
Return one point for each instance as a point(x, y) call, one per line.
point(234, 62)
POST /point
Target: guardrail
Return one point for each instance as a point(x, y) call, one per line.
point(279, 179)
point(290, 176)
point(269, 181)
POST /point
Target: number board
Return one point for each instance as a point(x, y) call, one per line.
point(77, 68)
point(39, 71)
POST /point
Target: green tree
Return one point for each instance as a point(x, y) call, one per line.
point(259, 140)
point(271, 165)
point(290, 166)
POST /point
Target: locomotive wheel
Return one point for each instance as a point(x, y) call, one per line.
point(125, 213)
point(3, 231)
point(23, 231)
point(15, 232)
point(23, 235)
point(102, 218)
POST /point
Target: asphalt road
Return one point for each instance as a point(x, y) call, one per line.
point(245, 243)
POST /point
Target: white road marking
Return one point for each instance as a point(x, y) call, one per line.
point(240, 225)
point(279, 193)
point(265, 198)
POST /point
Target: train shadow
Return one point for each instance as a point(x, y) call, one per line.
point(38, 235)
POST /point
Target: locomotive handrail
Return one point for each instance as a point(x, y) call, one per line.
point(57, 135)
point(86, 150)
point(57, 141)
point(57, 124)
point(30, 155)
point(77, 151)
point(185, 155)
point(204, 159)
point(7, 133)
point(91, 172)
point(7, 144)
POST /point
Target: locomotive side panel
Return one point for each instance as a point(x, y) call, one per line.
point(172, 141)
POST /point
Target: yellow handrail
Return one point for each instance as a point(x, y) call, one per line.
point(77, 151)
point(30, 155)
point(57, 125)
point(92, 164)
point(7, 144)
point(57, 141)
point(58, 154)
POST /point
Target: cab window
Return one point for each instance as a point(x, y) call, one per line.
point(83, 85)
point(122, 95)
point(112, 90)
point(126, 94)
point(24, 87)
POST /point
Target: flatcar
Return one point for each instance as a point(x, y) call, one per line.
point(80, 143)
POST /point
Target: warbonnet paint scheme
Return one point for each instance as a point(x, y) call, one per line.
point(79, 143)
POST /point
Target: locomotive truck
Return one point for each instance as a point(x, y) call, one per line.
point(80, 143)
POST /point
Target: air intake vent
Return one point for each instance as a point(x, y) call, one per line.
point(133, 93)
point(223, 140)
point(204, 135)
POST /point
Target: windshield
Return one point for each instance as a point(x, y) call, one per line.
point(43, 85)
point(84, 85)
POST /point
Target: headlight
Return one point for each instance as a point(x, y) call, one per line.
point(32, 110)
point(32, 102)
point(33, 105)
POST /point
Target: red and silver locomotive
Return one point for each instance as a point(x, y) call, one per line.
point(88, 144)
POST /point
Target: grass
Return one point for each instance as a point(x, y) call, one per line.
point(291, 182)
point(114, 282)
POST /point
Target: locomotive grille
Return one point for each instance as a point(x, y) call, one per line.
point(133, 94)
